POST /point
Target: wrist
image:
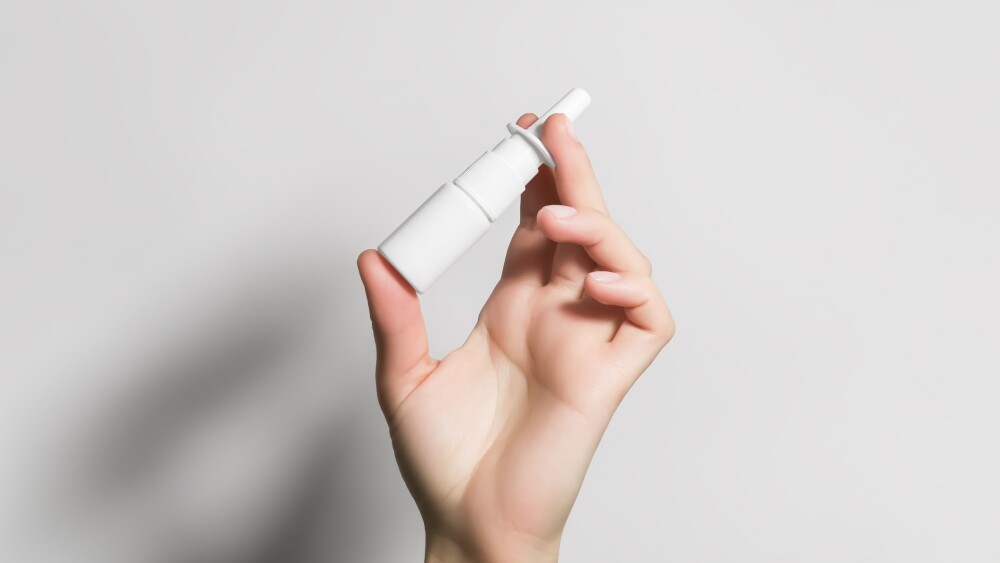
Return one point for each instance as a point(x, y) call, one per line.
point(441, 548)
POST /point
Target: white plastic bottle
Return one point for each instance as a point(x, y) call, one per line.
point(460, 212)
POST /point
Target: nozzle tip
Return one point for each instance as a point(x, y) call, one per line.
point(572, 104)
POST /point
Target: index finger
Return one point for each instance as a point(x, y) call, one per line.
point(575, 180)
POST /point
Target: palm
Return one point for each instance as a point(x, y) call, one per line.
point(494, 439)
point(493, 425)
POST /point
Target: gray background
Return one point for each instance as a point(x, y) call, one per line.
point(186, 359)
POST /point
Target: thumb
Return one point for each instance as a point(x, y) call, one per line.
point(400, 335)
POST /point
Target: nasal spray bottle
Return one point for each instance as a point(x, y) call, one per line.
point(460, 212)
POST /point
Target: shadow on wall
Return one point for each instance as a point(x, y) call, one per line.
point(249, 432)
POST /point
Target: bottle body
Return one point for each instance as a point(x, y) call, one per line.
point(435, 236)
point(460, 212)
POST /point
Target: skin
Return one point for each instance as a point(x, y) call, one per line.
point(494, 439)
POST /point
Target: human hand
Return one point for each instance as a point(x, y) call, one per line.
point(494, 439)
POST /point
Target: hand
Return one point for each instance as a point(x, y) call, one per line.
point(494, 440)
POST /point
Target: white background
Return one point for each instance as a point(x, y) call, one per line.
point(815, 182)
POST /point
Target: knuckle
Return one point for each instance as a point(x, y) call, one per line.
point(664, 332)
point(668, 327)
point(601, 227)
point(668, 332)
point(645, 263)
point(595, 237)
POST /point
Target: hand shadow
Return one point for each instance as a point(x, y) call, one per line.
point(250, 434)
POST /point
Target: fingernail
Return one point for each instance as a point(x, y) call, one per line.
point(604, 277)
point(569, 129)
point(561, 211)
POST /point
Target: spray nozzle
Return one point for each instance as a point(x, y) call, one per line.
point(572, 105)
